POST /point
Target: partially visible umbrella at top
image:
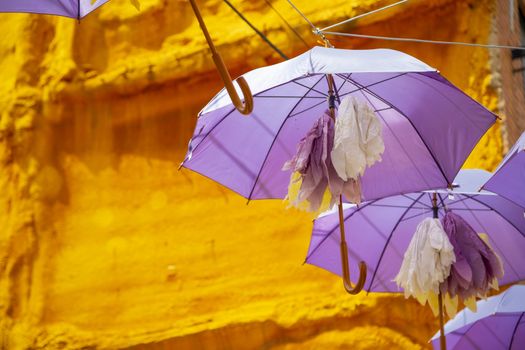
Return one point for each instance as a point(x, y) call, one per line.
point(80, 8)
point(498, 324)
point(509, 178)
point(68, 8)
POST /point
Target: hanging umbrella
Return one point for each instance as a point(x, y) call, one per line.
point(509, 178)
point(429, 126)
point(80, 8)
point(382, 229)
point(499, 323)
point(69, 8)
point(413, 101)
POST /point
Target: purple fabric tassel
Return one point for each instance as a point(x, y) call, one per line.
point(312, 160)
point(476, 264)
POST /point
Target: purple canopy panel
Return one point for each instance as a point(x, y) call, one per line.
point(429, 126)
point(497, 325)
point(68, 8)
point(380, 231)
point(509, 178)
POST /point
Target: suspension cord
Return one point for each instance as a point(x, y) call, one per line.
point(363, 15)
point(438, 42)
point(296, 33)
point(256, 30)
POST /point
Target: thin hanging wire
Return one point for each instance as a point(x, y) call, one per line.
point(363, 15)
point(314, 28)
point(256, 30)
point(321, 33)
point(437, 42)
point(288, 24)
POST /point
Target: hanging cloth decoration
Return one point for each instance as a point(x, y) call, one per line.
point(334, 157)
point(426, 262)
point(312, 169)
point(477, 267)
point(358, 141)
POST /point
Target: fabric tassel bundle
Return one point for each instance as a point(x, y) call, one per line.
point(427, 262)
point(451, 258)
point(312, 167)
point(358, 139)
point(477, 267)
point(331, 158)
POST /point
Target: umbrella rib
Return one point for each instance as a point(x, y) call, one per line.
point(307, 109)
point(233, 110)
point(275, 138)
point(388, 240)
point(514, 332)
point(283, 96)
point(320, 103)
point(459, 200)
point(209, 132)
point(453, 87)
point(442, 201)
point(329, 233)
point(416, 215)
point(394, 206)
point(417, 200)
point(350, 80)
point(410, 121)
point(448, 99)
point(310, 88)
point(399, 143)
point(496, 211)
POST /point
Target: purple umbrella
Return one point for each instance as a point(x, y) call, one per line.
point(382, 229)
point(509, 178)
point(68, 8)
point(429, 125)
point(498, 324)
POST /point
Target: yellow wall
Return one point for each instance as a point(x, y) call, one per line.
point(104, 244)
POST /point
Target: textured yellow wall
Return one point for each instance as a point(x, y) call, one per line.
point(105, 245)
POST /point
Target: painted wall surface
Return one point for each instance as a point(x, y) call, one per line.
point(105, 245)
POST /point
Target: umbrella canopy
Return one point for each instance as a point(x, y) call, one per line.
point(68, 8)
point(381, 230)
point(498, 324)
point(509, 178)
point(429, 125)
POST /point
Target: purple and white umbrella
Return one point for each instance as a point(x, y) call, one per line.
point(68, 8)
point(498, 324)
point(429, 125)
point(381, 230)
point(509, 178)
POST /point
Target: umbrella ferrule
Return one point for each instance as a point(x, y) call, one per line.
point(331, 100)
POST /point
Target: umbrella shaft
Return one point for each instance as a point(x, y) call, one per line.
point(442, 338)
point(203, 26)
point(434, 206)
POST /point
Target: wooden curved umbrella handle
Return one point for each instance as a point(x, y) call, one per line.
point(347, 282)
point(349, 286)
point(244, 108)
